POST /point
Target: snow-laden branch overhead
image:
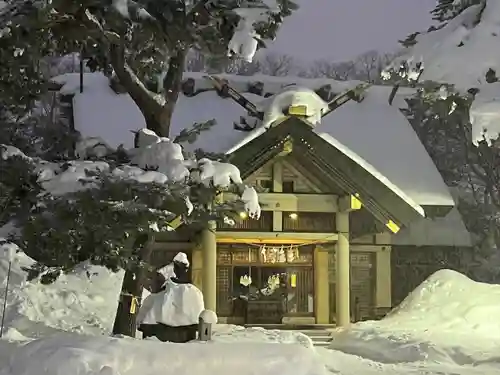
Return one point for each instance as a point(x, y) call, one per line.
point(157, 160)
point(463, 51)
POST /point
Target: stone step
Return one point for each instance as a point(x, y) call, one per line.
point(319, 337)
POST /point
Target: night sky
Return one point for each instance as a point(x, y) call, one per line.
point(342, 29)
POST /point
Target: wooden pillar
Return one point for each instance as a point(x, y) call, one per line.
point(197, 266)
point(209, 260)
point(321, 286)
point(277, 188)
point(343, 265)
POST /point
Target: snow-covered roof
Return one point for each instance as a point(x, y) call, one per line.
point(373, 130)
point(461, 53)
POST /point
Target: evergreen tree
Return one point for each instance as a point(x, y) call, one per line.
point(110, 214)
point(448, 9)
point(439, 112)
point(144, 43)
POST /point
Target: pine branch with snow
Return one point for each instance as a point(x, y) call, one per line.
point(92, 210)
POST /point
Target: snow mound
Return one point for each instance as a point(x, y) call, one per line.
point(83, 301)
point(84, 355)
point(445, 314)
point(450, 301)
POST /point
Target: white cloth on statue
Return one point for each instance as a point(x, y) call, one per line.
point(147, 305)
point(178, 305)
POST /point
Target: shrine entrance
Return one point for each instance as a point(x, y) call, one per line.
point(262, 284)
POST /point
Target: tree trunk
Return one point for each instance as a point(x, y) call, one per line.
point(131, 293)
point(172, 87)
point(157, 115)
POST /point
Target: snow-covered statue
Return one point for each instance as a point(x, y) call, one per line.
point(172, 313)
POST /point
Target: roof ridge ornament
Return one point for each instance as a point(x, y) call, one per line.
point(354, 93)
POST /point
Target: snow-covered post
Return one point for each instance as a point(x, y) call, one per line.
point(9, 250)
point(4, 308)
point(207, 319)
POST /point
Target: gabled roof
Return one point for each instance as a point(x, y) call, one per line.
point(372, 133)
point(332, 166)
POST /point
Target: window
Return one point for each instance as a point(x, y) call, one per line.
point(288, 187)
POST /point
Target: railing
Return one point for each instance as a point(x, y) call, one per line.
point(316, 222)
point(264, 224)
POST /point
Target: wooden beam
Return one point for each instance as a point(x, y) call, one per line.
point(310, 181)
point(173, 246)
point(274, 237)
point(294, 202)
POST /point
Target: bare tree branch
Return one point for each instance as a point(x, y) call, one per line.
point(278, 65)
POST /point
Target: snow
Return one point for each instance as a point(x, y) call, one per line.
point(461, 53)
point(274, 106)
point(222, 174)
point(167, 271)
point(367, 166)
point(102, 108)
point(485, 114)
point(209, 317)
point(367, 133)
point(82, 301)
point(244, 41)
point(82, 355)
point(447, 319)
point(8, 250)
point(464, 66)
point(368, 129)
point(159, 153)
point(181, 258)
point(446, 326)
point(178, 305)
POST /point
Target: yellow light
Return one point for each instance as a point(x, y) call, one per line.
point(293, 216)
point(293, 280)
point(243, 215)
point(393, 227)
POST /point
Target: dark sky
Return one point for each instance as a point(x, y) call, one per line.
point(341, 29)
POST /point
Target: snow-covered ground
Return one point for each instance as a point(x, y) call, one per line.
point(448, 325)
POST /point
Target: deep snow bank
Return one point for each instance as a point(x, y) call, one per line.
point(85, 301)
point(444, 315)
point(86, 355)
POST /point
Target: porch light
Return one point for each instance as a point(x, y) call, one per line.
point(243, 215)
point(293, 216)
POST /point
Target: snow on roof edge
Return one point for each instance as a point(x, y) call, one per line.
point(373, 171)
